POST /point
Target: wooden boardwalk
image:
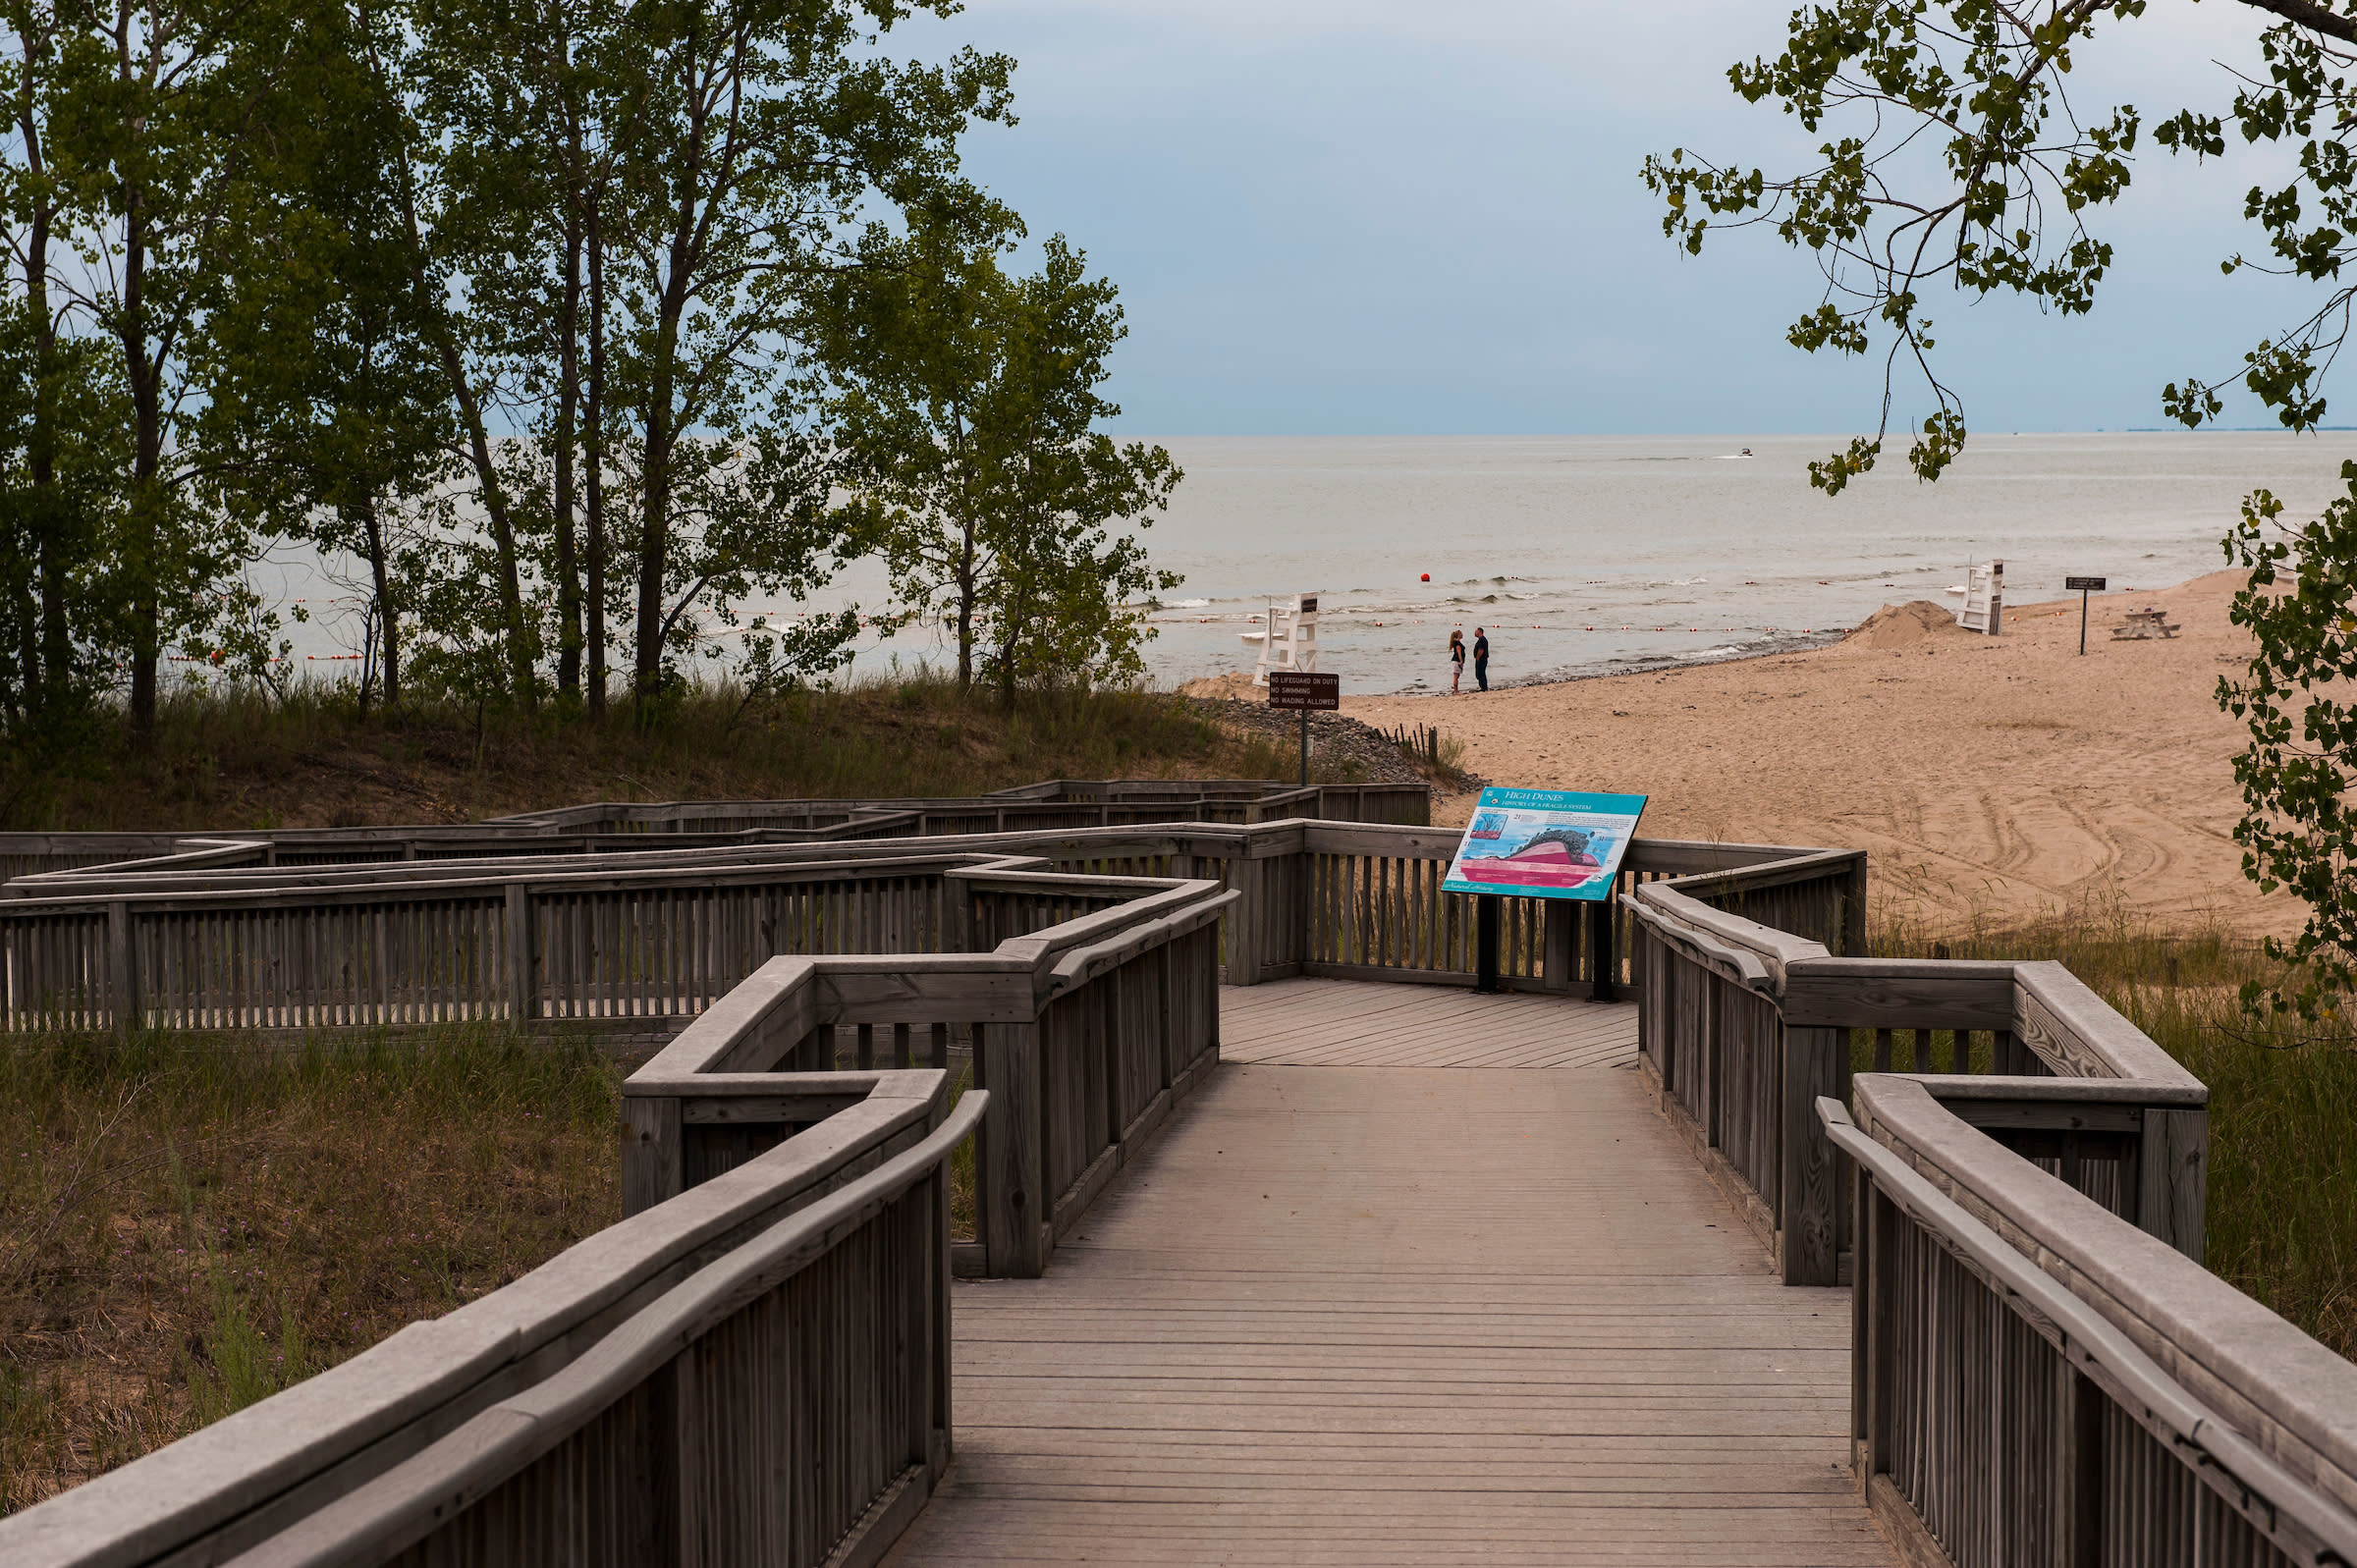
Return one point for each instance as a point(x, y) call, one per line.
point(1343, 1023)
point(1350, 1314)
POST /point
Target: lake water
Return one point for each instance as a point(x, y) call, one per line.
point(1588, 554)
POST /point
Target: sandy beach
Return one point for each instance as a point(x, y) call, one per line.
point(1993, 778)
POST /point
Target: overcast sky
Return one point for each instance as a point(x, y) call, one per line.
point(1374, 217)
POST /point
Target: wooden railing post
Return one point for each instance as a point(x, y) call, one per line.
point(1015, 1204)
point(1484, 941)
point(2171, 1177)
point(1109, 1033)
point(653, 1153)
point(122, 968)
point(956, 914)
point(523, 995)
point(1600, 957)
point(1873, 1324)
point(1807, 1231)
point(1556, 966)
point(1709, 1012)
point(1244, 942)
point(934, 1419)
point(1166, 1012)
point(2077, 1487)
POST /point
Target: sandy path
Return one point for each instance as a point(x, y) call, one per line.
point(2001, 777)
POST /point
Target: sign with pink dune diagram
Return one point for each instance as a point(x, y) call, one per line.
point(1545, 843)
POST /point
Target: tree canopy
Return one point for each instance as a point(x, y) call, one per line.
point(1954, 161)
point(527, 315)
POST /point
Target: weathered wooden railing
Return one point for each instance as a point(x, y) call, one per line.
point(640, 940)
point(1088, 1033)
point(2036, 1379)
point(1745, 1026)
point(2043, 1372)
point(1364, 902)
point(755, 1371)
point(638, 947)
point(1053, 806)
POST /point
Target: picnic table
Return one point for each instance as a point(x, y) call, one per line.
point(2143, 624)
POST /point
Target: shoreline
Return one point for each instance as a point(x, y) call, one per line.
point(1991, 779)
point(1800, 642)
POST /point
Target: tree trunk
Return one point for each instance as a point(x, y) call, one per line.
point(662, 438)
point(654, 539)
point(515, 634)
point(594, 468)
point(388, 615)
point(569, 387)
point(146, 523)
point(48, 511)
point(966, 610)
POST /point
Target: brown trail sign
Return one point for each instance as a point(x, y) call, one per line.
point(1304, 691)
point(2082, 587)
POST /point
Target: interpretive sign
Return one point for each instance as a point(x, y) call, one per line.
point(1306, 690)
point(1545, 843)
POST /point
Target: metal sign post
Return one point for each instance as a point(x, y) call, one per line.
point(2083, 586)
point(1486, 909)
point(1305, 692)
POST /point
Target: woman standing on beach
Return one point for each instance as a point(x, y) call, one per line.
point(1456, 660)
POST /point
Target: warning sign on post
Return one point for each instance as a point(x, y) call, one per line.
point(1306, 690)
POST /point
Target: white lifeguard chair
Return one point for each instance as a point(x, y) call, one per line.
point(1984, 606)
point(1287, 640)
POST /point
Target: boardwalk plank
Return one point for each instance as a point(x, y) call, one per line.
point(1337, 1023)
point(1366, 1315)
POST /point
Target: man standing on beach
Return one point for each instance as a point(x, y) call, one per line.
point(1481, 658)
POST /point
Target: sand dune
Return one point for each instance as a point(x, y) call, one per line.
point(2000, 777)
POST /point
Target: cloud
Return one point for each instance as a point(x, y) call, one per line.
point(1361, 215)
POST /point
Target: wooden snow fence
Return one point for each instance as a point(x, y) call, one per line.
point(756, 1371)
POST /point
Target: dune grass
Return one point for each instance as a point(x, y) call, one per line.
point(239, 757)
point(187, 1227)
point(2281, 1223)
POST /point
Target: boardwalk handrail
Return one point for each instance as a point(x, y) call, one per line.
point(2042, 1370)
point(475, 1483)
point(598, 940)
point(1088, 1033)
point(591, 829)
point(1360, 902)
point(2077, 1416)
point(635, 947)
point(1745, 1026)
point(252, 1475)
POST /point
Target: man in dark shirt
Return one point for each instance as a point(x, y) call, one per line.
point(1481, 658)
